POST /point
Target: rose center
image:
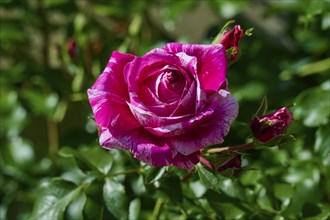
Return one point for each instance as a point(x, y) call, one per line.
point(173, 81)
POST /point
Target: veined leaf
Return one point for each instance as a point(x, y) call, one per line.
point(54, 199)
point(95, 158)
point(207, 178)
point(154, 174)
point(115, 198)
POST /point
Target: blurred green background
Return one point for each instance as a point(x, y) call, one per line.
point(51, 52)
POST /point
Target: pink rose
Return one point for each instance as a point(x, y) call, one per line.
point(231, 39)
point(165, 106)
point(269, 126)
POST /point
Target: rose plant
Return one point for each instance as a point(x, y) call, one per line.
point(166, 105)
point(167, 108)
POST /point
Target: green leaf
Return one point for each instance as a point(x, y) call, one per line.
point(95, 158)
point(318, 67)
point(263, 107)
point(135, 25)
point(75, 210)
point(224, 206)
point(101, 159)
point(41, 103)
point(93, 209)
point(249, 32)
point(54, 199)
point(283, 191)
point(154, 174)
point(198, 188)
point(170, 185)
point(207, 178)
point(134, 209)
point(78, 80)
point(310, 210)
point(115, 198)
point(49, 4)
point(322, 141)
point(313, 107)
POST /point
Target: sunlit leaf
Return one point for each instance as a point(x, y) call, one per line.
point(95, 158)
point(134, 209)
point(322, 142)
point(207, 178)
point(313, 107)
point(54, 199)
point(115, 198)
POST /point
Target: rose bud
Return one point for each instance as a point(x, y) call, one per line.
point(231, 39)
point(234, 163)
point(71, 47)
point(267, 127)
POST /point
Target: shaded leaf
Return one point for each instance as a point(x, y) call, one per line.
point(170, 185)
point(283, 191)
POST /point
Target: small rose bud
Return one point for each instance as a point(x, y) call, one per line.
point(234, 163)
point(269, 126)
point(231, 39)
point(71, 47)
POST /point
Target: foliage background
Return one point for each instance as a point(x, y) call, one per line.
point(51, 164)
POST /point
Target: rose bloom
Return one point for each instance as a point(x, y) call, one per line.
point(269, 126)
point(165, 106)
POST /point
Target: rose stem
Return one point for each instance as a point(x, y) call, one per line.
point(206, 162)
point(241, 147)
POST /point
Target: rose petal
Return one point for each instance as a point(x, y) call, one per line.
point(108, 96)
point(211, 131)
point(211, 61)
point(150, 119)
point(148, 148)
point(144, 68)
point(181, 127)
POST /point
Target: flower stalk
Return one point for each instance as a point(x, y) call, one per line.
point(241, 147)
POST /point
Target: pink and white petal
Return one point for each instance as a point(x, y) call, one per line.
point(147, 148)
point(182, 127)
point(213, 129)
point(211, 62)
point(149, 119)
point(112, 78)
point(111, 111)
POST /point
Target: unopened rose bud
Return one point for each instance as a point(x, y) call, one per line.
point(231, 39)
point(234, 163)
point(71, 47)
point(269, 126)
